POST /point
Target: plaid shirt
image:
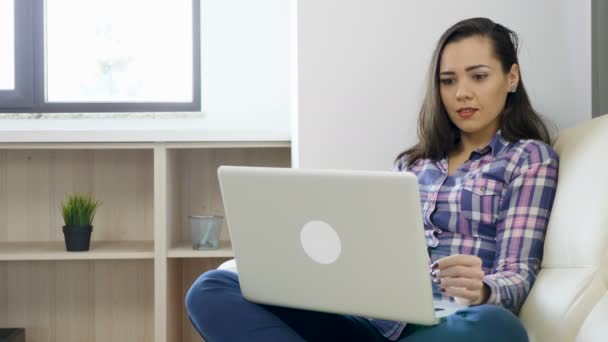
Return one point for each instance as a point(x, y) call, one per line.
point(495, 206)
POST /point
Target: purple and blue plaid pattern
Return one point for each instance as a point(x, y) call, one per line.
point(495, 206)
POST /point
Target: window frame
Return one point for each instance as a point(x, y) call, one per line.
point(21, 96)
point(29, 95)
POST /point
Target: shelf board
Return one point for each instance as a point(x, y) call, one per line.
point(228, 144)
point(76, 146)
point(55, 250)
point(183, 249)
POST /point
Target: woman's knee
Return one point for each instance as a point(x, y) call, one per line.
point(208, 290)
point(489, 322)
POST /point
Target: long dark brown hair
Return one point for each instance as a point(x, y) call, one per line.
point(437, 135)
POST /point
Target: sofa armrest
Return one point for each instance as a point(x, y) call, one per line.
point(229, 265)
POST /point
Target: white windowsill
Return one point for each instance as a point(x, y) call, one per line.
point(131, 127)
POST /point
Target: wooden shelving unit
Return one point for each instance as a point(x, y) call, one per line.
point(131, 285)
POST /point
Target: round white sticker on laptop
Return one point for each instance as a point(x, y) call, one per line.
point(321, 242)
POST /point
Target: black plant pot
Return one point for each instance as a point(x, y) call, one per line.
point(77, 239)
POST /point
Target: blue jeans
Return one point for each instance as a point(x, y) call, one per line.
point(219, 313)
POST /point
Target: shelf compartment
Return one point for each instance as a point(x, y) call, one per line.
point(182, 274)
point(55, 250)
point(35, 182)
point(193, 186)
point(83, 300)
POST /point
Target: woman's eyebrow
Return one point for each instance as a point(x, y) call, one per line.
point(472, 67)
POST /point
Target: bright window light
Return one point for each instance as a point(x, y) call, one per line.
point(118, 50)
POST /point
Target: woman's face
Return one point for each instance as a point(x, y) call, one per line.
point(473, 85)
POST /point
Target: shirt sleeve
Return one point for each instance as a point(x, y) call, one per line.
point(521, 227)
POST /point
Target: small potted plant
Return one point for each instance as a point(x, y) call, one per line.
point(78, 212)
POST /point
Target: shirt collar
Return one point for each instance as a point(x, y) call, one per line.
point(496, 145)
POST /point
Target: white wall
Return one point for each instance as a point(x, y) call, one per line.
point(361, 67)
point(245, 64)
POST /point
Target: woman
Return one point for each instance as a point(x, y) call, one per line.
point(487, 177)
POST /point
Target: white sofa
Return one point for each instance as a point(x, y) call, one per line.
point(569, 301)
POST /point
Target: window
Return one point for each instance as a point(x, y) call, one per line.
point(107, 55)
point(15, 55)
point(7, 45)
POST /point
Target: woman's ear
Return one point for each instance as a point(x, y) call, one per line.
point(513, 78)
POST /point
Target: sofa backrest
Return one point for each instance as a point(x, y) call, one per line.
point(569, 301)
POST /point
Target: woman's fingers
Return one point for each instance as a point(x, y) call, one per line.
point(462, 293)
point(460, 276)
point(459, 272)
point(456, 260)
point(470, 284)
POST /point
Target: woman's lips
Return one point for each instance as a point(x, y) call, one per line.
point(466, 113)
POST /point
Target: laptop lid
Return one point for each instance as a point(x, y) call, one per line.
point(348, 242)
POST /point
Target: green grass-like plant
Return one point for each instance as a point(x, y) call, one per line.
point(79, 210)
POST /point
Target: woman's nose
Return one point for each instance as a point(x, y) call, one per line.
point(462, 92)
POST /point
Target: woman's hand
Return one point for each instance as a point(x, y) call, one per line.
point(460, 276)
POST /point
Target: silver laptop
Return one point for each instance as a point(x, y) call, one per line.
point(347, 242)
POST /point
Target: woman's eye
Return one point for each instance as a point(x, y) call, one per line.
point(480, 76)
point(446, 81)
